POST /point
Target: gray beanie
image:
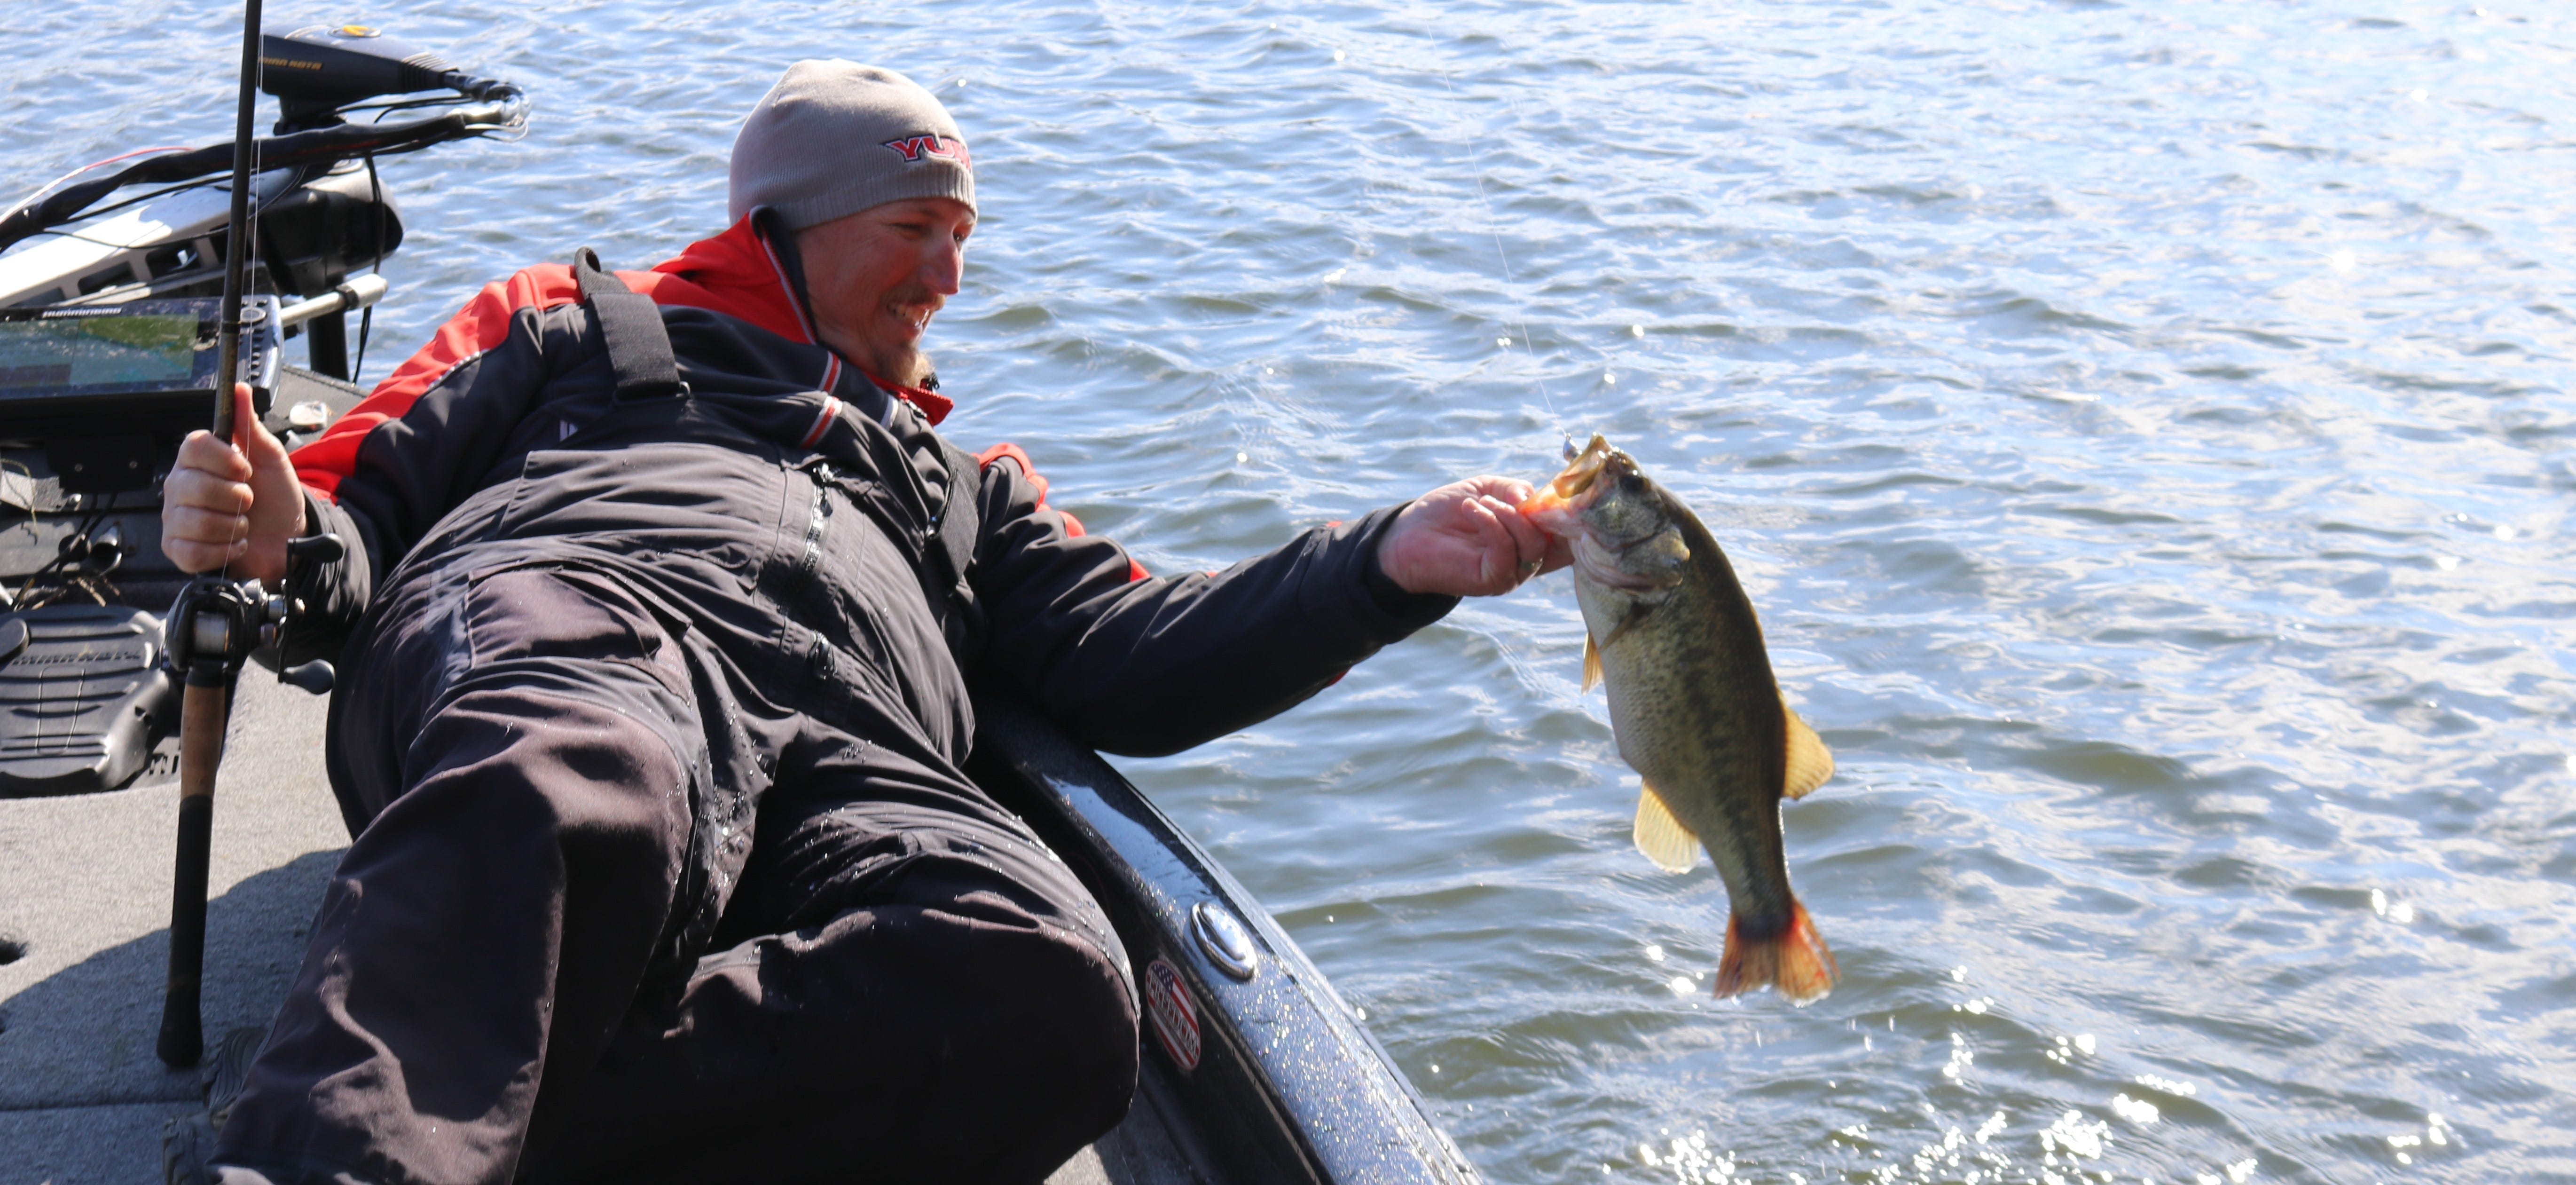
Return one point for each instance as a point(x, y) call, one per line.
point(834, 138)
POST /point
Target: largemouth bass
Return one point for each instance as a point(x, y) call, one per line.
point(1695, 707)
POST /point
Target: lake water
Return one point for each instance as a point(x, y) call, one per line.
point(2144, 427)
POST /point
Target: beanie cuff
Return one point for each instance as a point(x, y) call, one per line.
point(941, 181)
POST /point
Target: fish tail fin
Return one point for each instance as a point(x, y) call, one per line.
point(1794, 961)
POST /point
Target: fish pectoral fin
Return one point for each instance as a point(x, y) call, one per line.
point(1637, 612)
point(1810, 763)
point(1591, 661)
point(1663, 838)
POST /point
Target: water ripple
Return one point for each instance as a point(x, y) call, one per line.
point(2143, 427)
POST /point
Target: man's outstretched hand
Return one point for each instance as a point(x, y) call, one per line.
point(1467, 539)
point(225, 506)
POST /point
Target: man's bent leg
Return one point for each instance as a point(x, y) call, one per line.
point(941, 1005)
point(486, 932)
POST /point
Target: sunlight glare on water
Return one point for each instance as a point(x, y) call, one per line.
point(2143, 427)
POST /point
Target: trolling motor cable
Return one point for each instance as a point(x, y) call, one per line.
point(505, 111)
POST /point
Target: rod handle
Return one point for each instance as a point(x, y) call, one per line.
point(182, 1029)
point(204, 710)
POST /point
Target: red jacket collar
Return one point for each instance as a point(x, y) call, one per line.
point(738, 273)
point(934, 407)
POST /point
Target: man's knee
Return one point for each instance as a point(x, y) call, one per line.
point(1020, 1033)
point(495, 918)
point(1026, 962)
point(1053, 1059)
point(1075, 1015)
point(988, 993)
point(929, 1043)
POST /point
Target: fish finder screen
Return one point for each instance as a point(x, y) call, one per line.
point(145, 351)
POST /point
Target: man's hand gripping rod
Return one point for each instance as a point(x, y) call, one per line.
point(215, 625)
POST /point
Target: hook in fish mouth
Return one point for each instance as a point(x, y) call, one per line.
point(1582, 468)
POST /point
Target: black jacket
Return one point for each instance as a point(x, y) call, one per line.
point(502, 444)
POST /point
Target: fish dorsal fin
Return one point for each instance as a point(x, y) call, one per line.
point(1810, 763)
point(1672, 846)
point(1591, 661)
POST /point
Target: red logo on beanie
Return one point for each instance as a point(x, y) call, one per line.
point(913, 148)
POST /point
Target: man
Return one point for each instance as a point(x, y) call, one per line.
point(655, 629)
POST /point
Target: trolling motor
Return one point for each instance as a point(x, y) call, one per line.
point(316, 71)
point(319, 72)
point(122, 313)
point(320, 220)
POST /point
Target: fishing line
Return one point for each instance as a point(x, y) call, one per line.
point(247, 251)
point(1526, 672)
point(1494, 229)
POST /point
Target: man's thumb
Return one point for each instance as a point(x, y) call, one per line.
point(263, 450)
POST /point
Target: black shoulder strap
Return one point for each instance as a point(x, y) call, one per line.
point(630, 325)
point(949, 555)
point(960, 515)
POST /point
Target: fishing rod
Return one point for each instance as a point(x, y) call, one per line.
point(207, 621)
point(216, 622)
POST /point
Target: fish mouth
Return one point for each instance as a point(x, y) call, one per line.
point(1583, 469)
point(1573, 486)
point(1578, 484)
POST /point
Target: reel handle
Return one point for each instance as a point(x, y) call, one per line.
point(301, 555)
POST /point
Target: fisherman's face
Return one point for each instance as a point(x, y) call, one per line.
point(876, 277)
